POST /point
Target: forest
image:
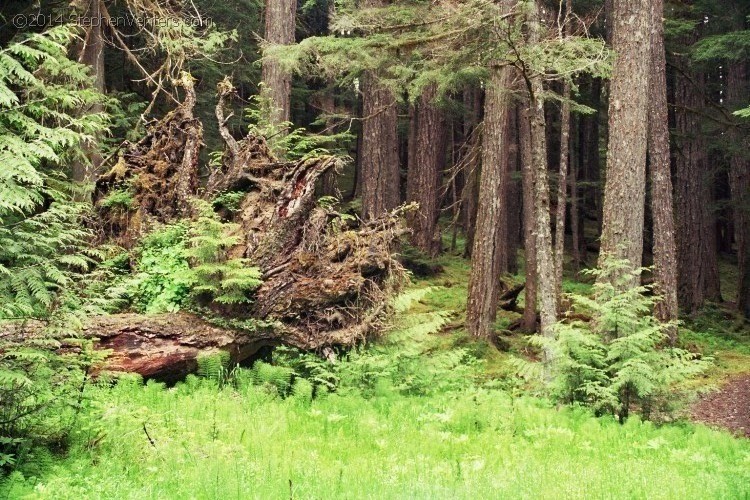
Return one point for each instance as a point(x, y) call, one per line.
point(374, 249)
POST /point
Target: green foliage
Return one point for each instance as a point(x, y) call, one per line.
point(214, 366)
point(475, 443)
point(44, 245)
point(275, 377)
point(293, 143)
point(230, 200)
point(185, 264)
point(119, 198)
point(43, 248)
point(411, 45)
point(617, 361)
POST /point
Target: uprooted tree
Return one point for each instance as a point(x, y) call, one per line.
point(326, 277)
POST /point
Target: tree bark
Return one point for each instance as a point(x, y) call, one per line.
point(528, 323)
point(739, 179)
point(562, 176)
point(562, 184)
point(91, 53)
point(575, 214)
point(488, 254)
point(426, 162)
point(380, 162)
point(625, 186)
point(545, 259)
point(512, 195)
point(697, 260)
point(472, 98)
point(280, 25)
point(664, 247)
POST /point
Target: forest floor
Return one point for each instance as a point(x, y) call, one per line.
point(727, 407)
point(424, 412)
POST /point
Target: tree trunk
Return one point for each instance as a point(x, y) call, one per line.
point(562, 184)
point(512, 195)
point(91, 53)
point(280, 25)
point(739, 177)
point(545, 259)
point(426, 162)
point(380, 162)
point(665, 250)
point(697, 261)
point(625, 187)
point(592, 199)
point(489, 251)
point(562, 176)
point(528, 323)
point(575, 214)
point(470, 194)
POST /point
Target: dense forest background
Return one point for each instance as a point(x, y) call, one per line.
point(421, 202)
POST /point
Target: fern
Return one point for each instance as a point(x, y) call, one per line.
point(616, 361)
point(44, 246)
point(214, 366)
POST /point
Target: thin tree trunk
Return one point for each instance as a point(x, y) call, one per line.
point(544, 255)
point(327, 104)
point(470, 194)
point(528, 323)
point(562, 176)
point(426, 161)
point(379, 165)
point(625, 187)
point(91, 53)
point(512, 198)
point(592, 200)
point(280, 24)
point(575, 222)
point(562, 184)
point(665, 250)
point(488, 254)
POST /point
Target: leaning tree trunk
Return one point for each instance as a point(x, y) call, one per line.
point(625, 186)
point(280, 24)
point(488, 255)
point(665, 250)
point(739, 177)
point(426, 161)
point(697, 260)
point(528, 323)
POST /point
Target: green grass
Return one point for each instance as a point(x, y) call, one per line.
point(249, 443)
point(428, 412)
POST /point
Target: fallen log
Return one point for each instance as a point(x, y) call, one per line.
point(164, 347)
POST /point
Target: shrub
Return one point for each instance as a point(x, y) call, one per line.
point(617, 361)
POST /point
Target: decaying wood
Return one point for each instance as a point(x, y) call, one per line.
point(160, 172)
point(327, 278)
point(164, 346)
